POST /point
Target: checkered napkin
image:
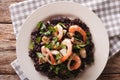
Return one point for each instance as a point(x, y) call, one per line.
point(107, 10)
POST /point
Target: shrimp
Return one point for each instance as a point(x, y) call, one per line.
point(77, 63)
point(43, 50)
point(46, 52)
point(74, 28)
point(60, 31)
point(55, 53)
point(68, 43)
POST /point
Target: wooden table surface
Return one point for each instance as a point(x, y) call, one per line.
point(8, 48)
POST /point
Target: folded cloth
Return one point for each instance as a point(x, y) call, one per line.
point(107, 10)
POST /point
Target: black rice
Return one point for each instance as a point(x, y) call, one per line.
point(37, 47)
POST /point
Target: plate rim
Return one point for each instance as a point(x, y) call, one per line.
point(17, 44)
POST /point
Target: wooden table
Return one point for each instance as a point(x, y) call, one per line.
point(8, 44)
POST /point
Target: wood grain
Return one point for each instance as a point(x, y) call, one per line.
point(7, 36)
point(104, 77)
point(7, 48)
point(113, 65)
point(112, 69)
point(6, 32)
point(6, 57)
point(109, 77)
point(4, 10)
point(6, 69)
point(9, 77)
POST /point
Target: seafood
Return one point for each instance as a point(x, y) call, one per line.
point(61, 47)
point(48, 54)
point(60, 31)
point(74, 28)
point(68, 43)
point(76, 64)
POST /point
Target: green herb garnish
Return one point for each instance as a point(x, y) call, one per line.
point(52, 29)
point(55, 39)
point(50, 46)
point(39, 55)
point(38, 39)
point(63, 46)
point(58, 56)
point(52, 67)
point(57, 69)
point(47, 33)
point(61, 24)
point(39, 24)
point(31, 46)
point(88, 33)
point(87, 41)
point(79, 46)
point(42, 27)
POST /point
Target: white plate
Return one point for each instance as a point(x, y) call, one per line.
point(99, 34)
